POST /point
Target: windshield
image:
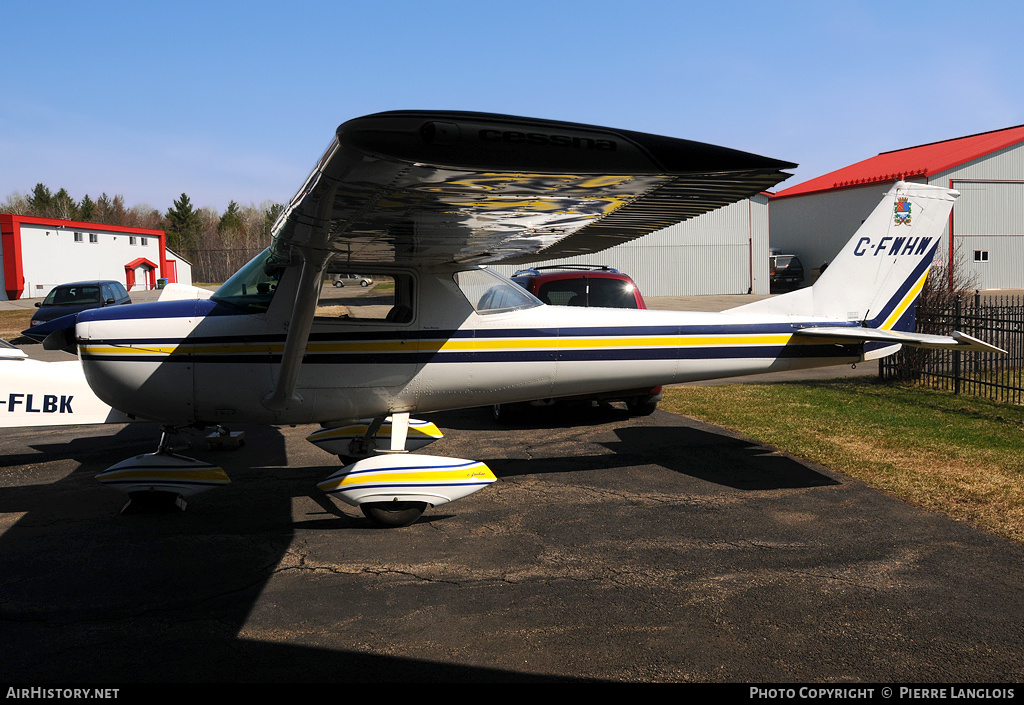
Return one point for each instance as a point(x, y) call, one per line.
point(252, 287)
point(491, 293)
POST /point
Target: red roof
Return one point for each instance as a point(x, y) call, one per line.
point(922, 161)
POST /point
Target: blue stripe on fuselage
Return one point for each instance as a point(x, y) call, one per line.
point(161, 309)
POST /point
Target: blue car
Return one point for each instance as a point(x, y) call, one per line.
point(68, 299)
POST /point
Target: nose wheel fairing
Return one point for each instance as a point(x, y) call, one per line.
point(163, 471)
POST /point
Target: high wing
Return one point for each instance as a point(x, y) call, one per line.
point(457, 188)
point(412, 187)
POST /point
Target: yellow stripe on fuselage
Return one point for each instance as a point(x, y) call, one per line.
point(452, 345)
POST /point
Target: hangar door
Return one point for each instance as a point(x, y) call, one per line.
point(988, 232)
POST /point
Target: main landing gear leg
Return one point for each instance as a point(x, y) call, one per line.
point(394, 513)
point(390, 486)
point(359, 448)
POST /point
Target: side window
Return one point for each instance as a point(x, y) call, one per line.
point(119, 291)
point(386, 298)
point(108, 295)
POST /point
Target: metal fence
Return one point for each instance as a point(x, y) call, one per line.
point(998, 320)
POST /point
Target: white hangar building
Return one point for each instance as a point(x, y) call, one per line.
point(724, 251)
point(37, 254)
point(813, 220)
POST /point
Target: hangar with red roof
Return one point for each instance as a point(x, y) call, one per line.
point(984, 240)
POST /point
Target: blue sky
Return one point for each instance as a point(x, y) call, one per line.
point(236, 101)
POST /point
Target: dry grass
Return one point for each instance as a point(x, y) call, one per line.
point(954, 454)
point(13, 322)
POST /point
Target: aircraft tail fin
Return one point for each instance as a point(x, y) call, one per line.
point(877, 276)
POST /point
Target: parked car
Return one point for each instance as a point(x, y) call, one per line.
point(592, 286)
point(786, 271)
point(67, 299)
point(580, 285)
point(346, 279)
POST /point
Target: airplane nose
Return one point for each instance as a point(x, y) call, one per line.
point(133, 365)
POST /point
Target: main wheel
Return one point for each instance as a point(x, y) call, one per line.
point(642, 406)
point(392, 514)
point(504, 413)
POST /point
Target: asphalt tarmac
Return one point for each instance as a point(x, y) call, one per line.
point(612, 549)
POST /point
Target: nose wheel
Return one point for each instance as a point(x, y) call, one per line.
point(159, 482)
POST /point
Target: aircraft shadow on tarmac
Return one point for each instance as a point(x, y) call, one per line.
point(88, 594)
point(689, 447)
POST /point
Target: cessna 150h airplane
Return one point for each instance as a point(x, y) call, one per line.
point(424, 201)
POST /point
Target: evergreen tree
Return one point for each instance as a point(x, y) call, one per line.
point(231, 221)
point(63, 206)
point(110, 210)
point(183, 226)
point(87, 209)
point(39, 201)
point(273, 211)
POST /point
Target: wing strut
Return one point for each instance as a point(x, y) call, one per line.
point(283, 395)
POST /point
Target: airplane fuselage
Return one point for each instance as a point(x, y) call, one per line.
point(200, 361)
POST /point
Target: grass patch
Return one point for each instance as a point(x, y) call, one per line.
point(955, 454)
point(13, 322)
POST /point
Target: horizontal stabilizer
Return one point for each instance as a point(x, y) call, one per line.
point(956, 341)
point(37, 393)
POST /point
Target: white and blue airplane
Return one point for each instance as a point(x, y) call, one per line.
point(422, 202)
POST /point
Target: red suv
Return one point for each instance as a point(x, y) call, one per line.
point(580, 285)
point(584, 285)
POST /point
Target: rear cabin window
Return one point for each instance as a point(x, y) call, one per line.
point(491, 293)
point(388, 299)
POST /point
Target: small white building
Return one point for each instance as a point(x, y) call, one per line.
point(36, 254)
point(985, 234)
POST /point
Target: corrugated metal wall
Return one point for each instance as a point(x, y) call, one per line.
point(816, 226)
point(721, 252)
point(989, 218)
point(989, 215)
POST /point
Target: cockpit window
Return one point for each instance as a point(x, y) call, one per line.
point(253, 286)
point(489, 292)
